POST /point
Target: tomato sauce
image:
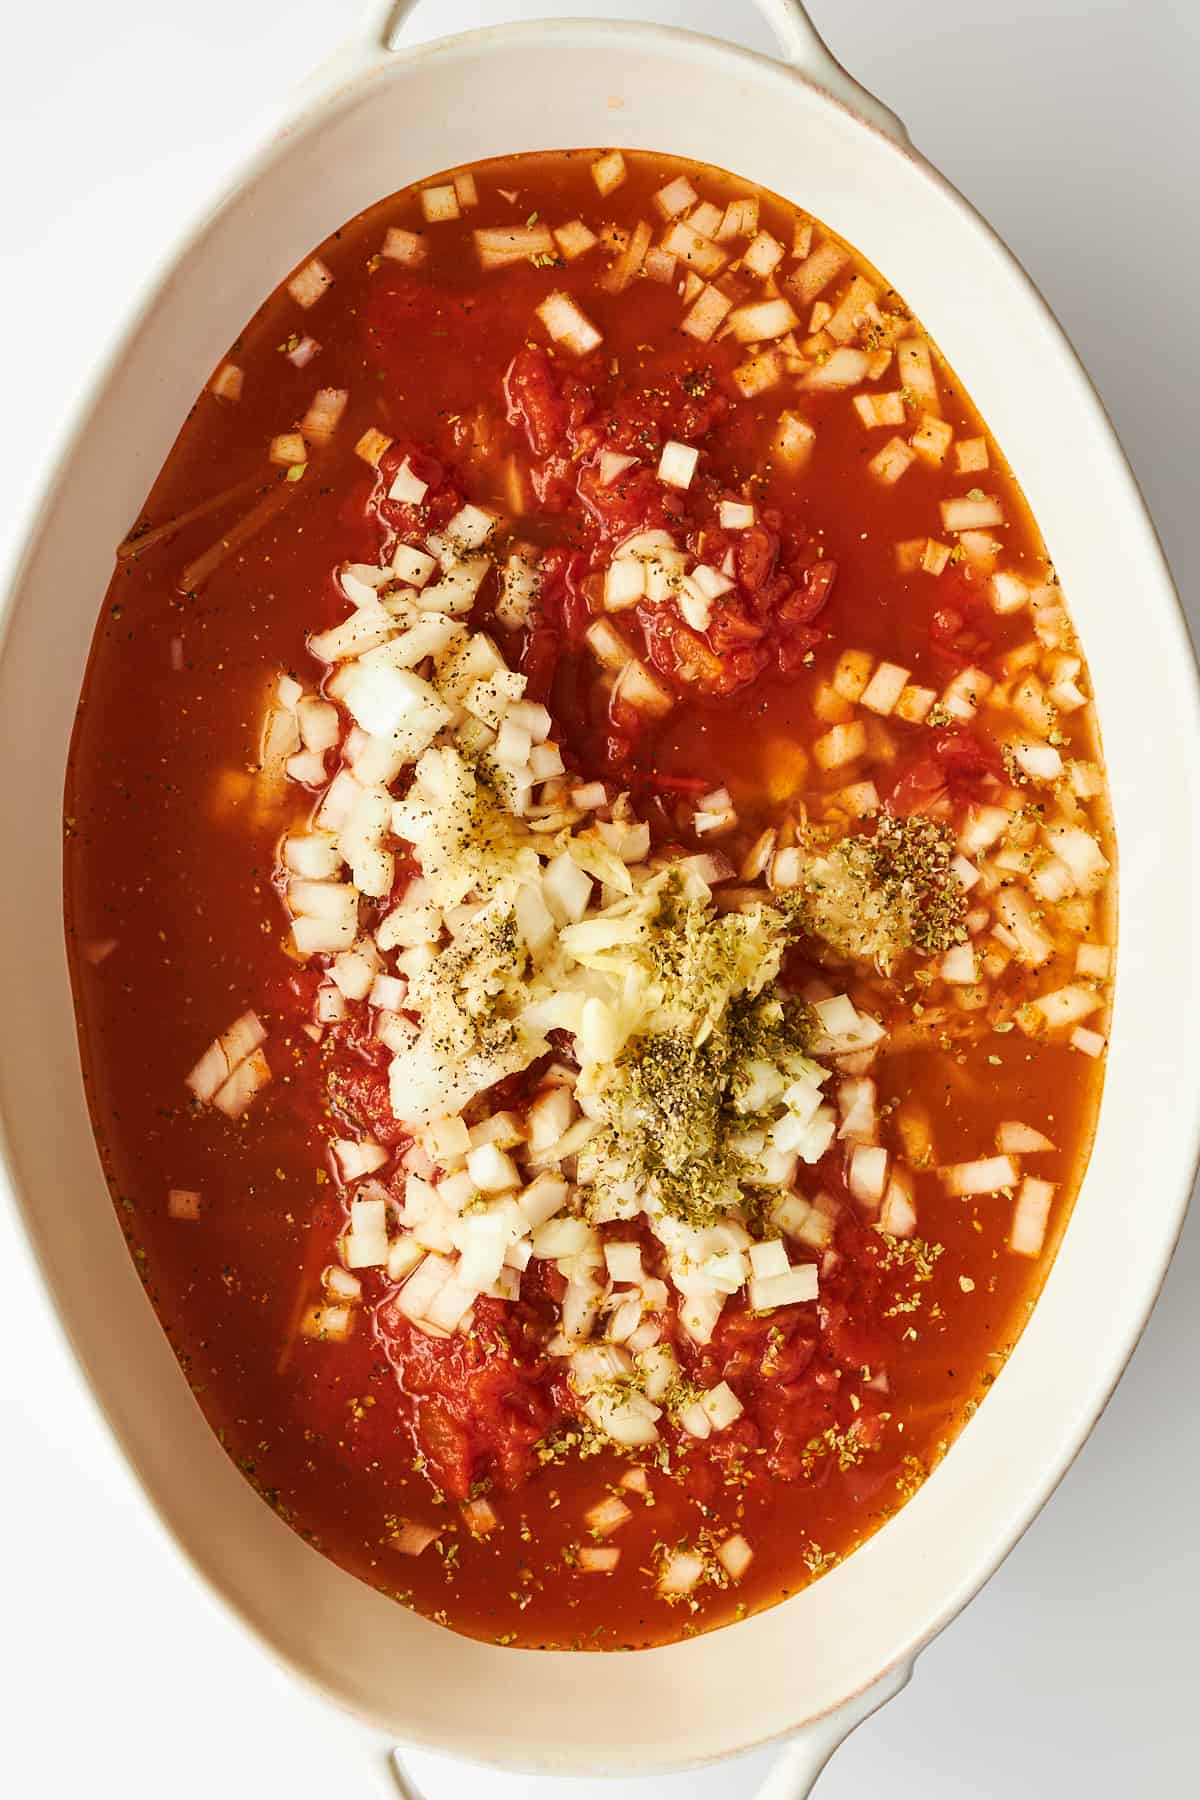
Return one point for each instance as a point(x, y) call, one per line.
point(175, 921)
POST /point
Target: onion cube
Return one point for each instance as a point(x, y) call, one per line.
point(471, 527)
point(598, 1559)
point(551, 1114)
point(226, 384)
point(986, 1175)
point(452, 1301)
point(852, 674)
point(677, 464)
point(613, 464)
point(740, 218)
point(964, 692)
point(574, 239)
point(234, 1096)
point(932, 439)
point(844, 368)
point(890, 463)
point(898, 1215)
point(681, 1572)
point(492, 1170)
point(880, 409)
point(721, 1406)
point(624, 1262)
point(567, 889)
point(794, 439)
point(440, 203)
point(757, 374)
point(500, 246)
point(324, 414)
point(867, 1176)
point(407, 247)
point(708, 312)
point(639, 687)
point(412, 565)
point(971, 454)
point(1030, 1216)
point(1093, 960)
point(607, 1516)
point(423, 1286)
point(884, 688)
point(676, 197)
point(695, 1421)
point(289, 450)
point(545, 761)
point(406, 487)
point(449, 1139)
point(309, 283)
point(1041, 762)
point(817, 269)
point(915, 367)
point(842, 744)
point(762, 320)
point(915, 704)
point(735, 1556)
point(404, 1254)
point(694, 248)
point(328, 1323)
point(763, 254)
point(567, 324)
point(624, 583)
point(535, 921)
point(543, 1199)
point(968, 514)
point(411, 1539)
point(608, 171)
point(799, 1285)
point(512, 745)
point(958, 966)
point(372, 445)
point(1016, 1139)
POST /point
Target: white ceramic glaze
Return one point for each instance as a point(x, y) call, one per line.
point(370, 123)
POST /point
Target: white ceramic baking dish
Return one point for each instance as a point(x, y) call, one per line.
point(809, 1670)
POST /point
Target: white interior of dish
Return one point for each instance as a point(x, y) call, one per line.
point(449, 104)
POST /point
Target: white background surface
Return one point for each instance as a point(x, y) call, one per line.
point(1070, 123)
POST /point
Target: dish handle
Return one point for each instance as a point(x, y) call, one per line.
point(793, 1775)
point(802, 1758)
point(807, 51)
point(802, 45)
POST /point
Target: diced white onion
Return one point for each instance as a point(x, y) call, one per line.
point(798, 1286)
point(407, 247)
point(568, 324)
point(867, 1175)
point(309, 283)
point(607, 1516)
point(677, 464)
point(1030, 1217)
point(735, 1556)
point(1015, 1139)
point(681, 1572)
point(986, 1175)
point(410, 1539)
point(597, 1559)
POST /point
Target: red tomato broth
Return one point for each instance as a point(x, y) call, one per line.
point(190, 897)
